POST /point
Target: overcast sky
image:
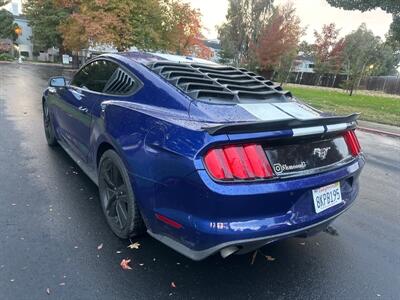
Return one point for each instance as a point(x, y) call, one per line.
point(313, 14)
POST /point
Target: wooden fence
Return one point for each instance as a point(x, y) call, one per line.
point(387, 84)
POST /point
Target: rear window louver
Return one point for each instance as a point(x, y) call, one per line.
point(120, 83)
point(218, 83)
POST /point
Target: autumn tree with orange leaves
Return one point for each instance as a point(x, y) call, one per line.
point(278, 42)
point(168, 25)
point(182, 30)
point(328, 51)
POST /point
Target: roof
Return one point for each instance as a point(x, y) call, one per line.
point(148, 57)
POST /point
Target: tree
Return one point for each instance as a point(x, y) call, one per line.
point(4, 2)
point(387, 61)
point(244, 21)
point(146, 20)
point(278, 42)
point(328, 50)
point(393, 36)
point(7, 25)
point(360, 54)
point(390, 6)
point(182, 30)
point(147, 25)
point(96, 22)
point(306, 49)
point(45, 17)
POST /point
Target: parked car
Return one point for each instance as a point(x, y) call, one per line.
point(206, 158)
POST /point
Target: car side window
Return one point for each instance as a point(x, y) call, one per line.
point(95, 75)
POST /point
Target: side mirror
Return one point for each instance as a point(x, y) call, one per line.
point(57, 82)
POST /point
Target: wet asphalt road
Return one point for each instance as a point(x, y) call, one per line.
point(51, 225)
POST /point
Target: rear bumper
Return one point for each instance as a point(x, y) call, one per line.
point(214, 216)
point(245, 245)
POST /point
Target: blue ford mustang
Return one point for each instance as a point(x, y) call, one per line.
point(206, 158)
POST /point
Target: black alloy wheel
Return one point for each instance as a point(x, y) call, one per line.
point(117, 198)
point(48, 126)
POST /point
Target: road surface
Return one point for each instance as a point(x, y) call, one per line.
point(51, 226)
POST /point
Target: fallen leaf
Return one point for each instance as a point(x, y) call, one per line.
point(48, 291)
point(173, 285)
point(141, 265)
point(99, 247)
point(125, 264)
point(269, 258)
point(134, 246)
point(118, 252)
point(253, 258)
point(61, 284)
point(302, 243)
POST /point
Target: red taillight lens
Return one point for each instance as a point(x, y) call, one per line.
point(243, 162)
point(352, 142)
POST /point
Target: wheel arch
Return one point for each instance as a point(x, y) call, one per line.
point(103, 147)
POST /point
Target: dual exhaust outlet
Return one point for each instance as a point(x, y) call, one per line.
point(228, 251)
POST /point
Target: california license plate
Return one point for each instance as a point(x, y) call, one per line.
point(327, 196)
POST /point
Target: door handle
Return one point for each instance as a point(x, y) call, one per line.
point(83, 109)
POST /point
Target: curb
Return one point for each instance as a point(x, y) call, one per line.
point(380, 132)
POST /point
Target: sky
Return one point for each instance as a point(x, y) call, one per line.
point(313, 14)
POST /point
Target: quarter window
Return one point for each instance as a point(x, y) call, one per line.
point(105, 76)
point(95, 75)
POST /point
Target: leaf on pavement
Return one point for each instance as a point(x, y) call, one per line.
point(135, 245)
point(125, 264)
point(173, 285)
point(100, 246)
point(48, 291)
point(269, 258)
point(253, 259)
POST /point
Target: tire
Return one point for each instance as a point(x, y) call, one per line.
point(48, 126)
point(117, 198)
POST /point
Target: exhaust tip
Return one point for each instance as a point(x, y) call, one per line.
point(225, 252)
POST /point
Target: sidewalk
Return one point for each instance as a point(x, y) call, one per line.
point(377, 128)
point(28, 62)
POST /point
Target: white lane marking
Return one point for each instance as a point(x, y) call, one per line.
point(308, 130)
point(336, 127)
point(298, 110)
point(265, 111)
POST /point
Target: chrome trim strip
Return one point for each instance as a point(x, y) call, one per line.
point(308, 130)
point(336, 127)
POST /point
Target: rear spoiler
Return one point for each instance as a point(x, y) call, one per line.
point(251, 127)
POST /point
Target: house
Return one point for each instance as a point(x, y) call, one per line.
point(303, 64)
point(23, 45)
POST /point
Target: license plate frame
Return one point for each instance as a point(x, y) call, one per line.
point(326, 197)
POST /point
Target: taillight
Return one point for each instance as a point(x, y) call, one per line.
point(242, 162)
point(352, 142)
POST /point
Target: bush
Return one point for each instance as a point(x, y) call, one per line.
point(6, 57)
